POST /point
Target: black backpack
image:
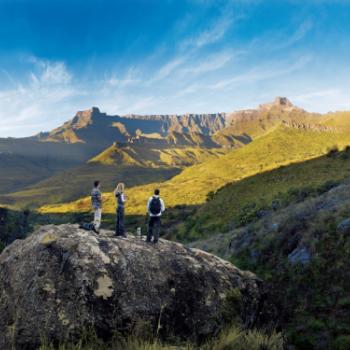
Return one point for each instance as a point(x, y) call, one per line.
point(86, 226)
point(155, 207)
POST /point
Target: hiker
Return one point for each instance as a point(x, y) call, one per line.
point(121, 199)
point(155, 208)
point(96, 201)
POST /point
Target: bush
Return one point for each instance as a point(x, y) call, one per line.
point(342, 342)
point(210, 196)
point(332, 152)
point(248, 214)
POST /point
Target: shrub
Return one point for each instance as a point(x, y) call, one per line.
point(248, 214)
point(332, 152)
point(342, 342)
point(210, 196)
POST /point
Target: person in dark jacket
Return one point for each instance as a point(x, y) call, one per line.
point(96, 202)
point(120, 199)
point(155, 208)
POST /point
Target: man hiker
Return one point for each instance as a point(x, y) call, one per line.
point(155, 208)
point(96, 202)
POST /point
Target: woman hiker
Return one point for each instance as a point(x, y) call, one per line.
point(121, 199)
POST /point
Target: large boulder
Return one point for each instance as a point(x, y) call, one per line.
point(62, 280)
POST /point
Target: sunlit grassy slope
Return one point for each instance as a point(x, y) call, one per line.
point(233, 202)
point(282, 146)
point(154, 157)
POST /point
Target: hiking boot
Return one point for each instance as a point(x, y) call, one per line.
point(124, 235)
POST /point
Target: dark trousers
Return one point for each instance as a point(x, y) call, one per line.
point(153, 228)
point(119, 226)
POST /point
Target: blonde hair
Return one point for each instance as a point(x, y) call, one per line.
point(120, 188)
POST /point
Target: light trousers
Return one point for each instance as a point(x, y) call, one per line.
point(97, 218)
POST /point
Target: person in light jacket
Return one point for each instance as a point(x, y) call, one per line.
point(120, 199)
point(96, 203)
point(155, 208)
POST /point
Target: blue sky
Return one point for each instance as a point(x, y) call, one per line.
point(168, 56)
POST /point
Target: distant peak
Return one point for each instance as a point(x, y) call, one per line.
point(282, 101)
point(279, 102)
point(95, 110)
point(83, 118)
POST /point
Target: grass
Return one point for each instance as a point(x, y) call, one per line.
point(281, 147)
point(246, 198)
point(131, 165)
point(230, 339)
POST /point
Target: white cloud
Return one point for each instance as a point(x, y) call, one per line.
point(169, 68)
point(263, 73)
point(39, 100)
point(323, 100)
point(208, 64)
point(213, 34)
point(130, 78)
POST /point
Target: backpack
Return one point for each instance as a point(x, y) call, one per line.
point(86, 226)
point(155, 207)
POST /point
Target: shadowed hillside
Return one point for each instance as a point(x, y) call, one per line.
point(134, 164)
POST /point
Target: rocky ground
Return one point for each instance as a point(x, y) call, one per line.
point(63, 280)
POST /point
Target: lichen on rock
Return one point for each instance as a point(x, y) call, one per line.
point(77, 280)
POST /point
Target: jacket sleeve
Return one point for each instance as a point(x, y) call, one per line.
point(148, 204)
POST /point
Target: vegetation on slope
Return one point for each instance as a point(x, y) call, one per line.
point(135, 165)
point(305, 258)
point(241, 202)
point(154, 156)
point(13, 225)
point(299, 244)
point(230, 339)
point(283, 146)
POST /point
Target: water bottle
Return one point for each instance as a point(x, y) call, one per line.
point(138, 233)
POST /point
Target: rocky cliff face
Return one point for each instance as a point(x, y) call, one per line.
point(62, 280)
point(89, 125)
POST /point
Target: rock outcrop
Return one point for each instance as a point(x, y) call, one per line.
point(62, 280)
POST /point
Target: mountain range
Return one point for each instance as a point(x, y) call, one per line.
point(144, 150)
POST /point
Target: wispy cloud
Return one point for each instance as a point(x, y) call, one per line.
point(263, 73)
point(185, 60)
point(211, 35)
point(211, 63)
point(32, 103)
point(323, 100)
point(169, 68)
